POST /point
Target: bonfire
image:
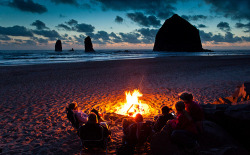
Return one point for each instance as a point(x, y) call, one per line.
point(133, 105)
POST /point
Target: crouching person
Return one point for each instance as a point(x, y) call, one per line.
point(93, 134)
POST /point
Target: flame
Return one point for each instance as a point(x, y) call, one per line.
point(133, 105)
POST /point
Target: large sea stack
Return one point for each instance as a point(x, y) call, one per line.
point(177, 34)
point(88, 45)
point(58, 46)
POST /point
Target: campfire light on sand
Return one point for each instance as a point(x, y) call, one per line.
point(133, 105)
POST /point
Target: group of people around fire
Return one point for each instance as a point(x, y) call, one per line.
point(183, 127)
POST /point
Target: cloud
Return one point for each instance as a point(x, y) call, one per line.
point(130, 37)
point(51, 34)
point(159, 8)
point(80, 39)
point(41, 40)
point(243, 26)
point(246, 39)
point(202, 26)
point(16, 31)
point(5, 38)
point(143, 35)
point(28, 6)
point(72, 22)
point(84, 28)
point(29, 42)
point(194, 17)
point(143, 20)
point(118, 19)
point(229, 37)
point(74, 26)
point(62, 16)
point(24, 42)
point(39, 25)
point(71, 2)
point(148, 35)
point(235, 9)
point(115, 38)
point(224, 26)
point(63, 26)
point(206, 36)
point(102, 35)
point(167, 12)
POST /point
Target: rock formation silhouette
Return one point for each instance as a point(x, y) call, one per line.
point(58, 46)
point(177, 34)
point(88, 45)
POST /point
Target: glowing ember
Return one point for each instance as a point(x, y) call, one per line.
point(133, 105)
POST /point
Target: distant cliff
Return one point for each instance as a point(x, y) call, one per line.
point(88, 45)
point(177, 34)
point(58, 45)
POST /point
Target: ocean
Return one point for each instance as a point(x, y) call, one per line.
point(31, 57)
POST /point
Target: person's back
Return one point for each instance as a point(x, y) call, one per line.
point(138, 132)
point(162, 120)
point(92, 133)
point(184, 123)
point(195, 111)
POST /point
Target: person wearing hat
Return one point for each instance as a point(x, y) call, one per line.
point(162, 120)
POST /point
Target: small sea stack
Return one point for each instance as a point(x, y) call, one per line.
point(177, 34)
point(58, 46)
point(88, 45)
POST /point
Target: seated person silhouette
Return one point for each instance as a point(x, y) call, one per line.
point(93, 134)
point(76, 116)
point(192, 107)
point(194, 110)
point(162, 120)
point(138, 132)
point(182, 130)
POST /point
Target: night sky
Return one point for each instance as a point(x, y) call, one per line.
point(119, 24)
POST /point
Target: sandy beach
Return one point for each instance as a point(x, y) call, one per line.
point(33, 98)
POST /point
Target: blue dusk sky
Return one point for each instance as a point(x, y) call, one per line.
point(119, 24)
